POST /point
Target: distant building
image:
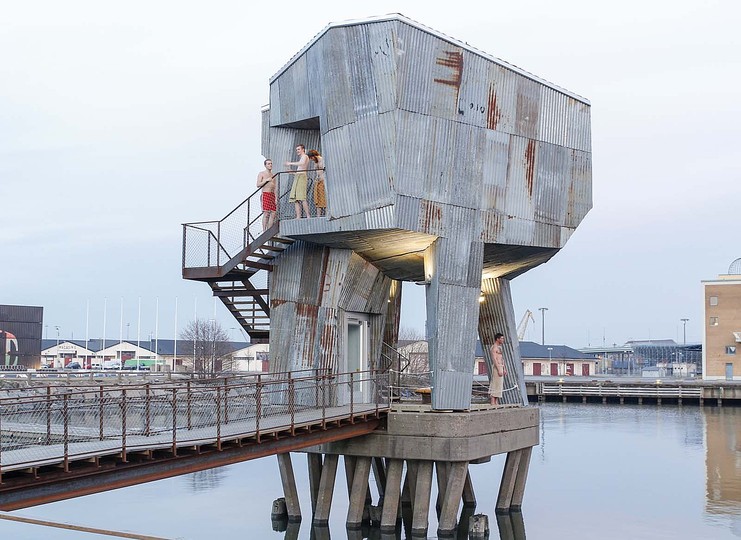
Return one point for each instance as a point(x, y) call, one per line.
point(556, 360)
point(722, 326)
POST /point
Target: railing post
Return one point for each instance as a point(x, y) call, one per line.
point(48, 415)
point(100, 411)
point(218, 417)
point(218, 244)
point(291, 401)
point(258, 407)
point(352, 397)
point(324, 401)
point(188, 402)
point(185, 238)
point(174, 421)
point(123, 425)
point(65, 417)
point(147, 410)
point(226, 400)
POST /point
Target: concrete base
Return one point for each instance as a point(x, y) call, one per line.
point(416, 443)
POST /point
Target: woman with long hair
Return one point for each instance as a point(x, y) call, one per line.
point(320, 196)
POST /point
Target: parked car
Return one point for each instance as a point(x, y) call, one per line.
point(73, 365)
point(112, 364)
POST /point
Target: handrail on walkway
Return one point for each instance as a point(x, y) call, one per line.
point(57, 428)
point(214, 243)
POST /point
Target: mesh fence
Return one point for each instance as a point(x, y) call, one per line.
point(77, 423)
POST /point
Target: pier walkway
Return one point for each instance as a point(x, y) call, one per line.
point(58, 442)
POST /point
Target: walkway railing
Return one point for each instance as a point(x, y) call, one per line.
point(60, 426)
point(213, 243)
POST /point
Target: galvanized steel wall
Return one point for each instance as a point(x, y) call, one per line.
point(425, 138)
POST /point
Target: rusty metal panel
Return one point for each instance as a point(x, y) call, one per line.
point(414, 69)
point(580, 191)
point(337, 73)
point(552, 183)
point(265, 146)
point(334, 276)
point(494, 190)
point(528, 108)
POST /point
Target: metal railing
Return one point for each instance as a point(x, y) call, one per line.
point(68, 424)
point(214, 243)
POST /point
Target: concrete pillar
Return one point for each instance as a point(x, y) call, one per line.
point(469, 496)
point(497, 315)
point(358, 492)
point(285, 466)
point(456, 479)
point(392, 495)
point(441, 473)
point(509, 476)
point(349, 472)
point(379, 473)
point(521, 478)
point(422, 491)
point(326, 490)
point(410, 483)
point(314, 462)
point(453, 271)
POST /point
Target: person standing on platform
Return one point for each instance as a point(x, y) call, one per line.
point(496, 384)
point(300, 181)
point(266, 182)
point(320, 196)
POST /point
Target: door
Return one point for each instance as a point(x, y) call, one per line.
point(729, 371)
point(357, 361)
point(585, 369)
point(554, 368)
point(536, 368)
point(570, 369)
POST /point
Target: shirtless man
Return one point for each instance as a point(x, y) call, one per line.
point(496, 385)
point(298, 189)
point(266, 181)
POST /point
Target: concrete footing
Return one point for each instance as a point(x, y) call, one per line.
point(414, 451)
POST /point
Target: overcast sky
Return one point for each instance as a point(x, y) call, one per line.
point(119, 122)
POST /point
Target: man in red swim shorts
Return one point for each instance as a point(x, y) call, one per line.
point(266, 181)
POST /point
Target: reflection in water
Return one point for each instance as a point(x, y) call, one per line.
point(511, 526)
point(206, 480)
point(723, 461)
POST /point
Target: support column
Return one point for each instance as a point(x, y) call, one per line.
point(326, 490)
point(314, 462)
point(521, 479)
point(497, 315)
point(453, 270)
point(358, 492)
point(422, 491)
point(509, 476)
point(379, 473)
point(441, 474)
point(285, 466)
point(469, 496)
point(456, 478)
point(410, 483)
point(392, 495)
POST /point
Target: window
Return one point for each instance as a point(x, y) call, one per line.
point(713, 300)
point(730, 349)
point(713, 321)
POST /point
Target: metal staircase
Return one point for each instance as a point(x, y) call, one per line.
point(234, 256)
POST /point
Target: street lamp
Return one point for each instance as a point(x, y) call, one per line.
point(684, 331)
point(542, 321)
point(57, 355)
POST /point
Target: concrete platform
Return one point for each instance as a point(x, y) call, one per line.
point(417, 432)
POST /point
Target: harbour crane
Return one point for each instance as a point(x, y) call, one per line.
point(527, 317)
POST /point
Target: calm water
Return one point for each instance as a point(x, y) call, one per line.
point(601, 471)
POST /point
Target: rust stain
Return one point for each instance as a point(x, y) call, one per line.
point(530, 165)
point(275, 303)
point(432, 216)
point(453, 60)
point(493, 114)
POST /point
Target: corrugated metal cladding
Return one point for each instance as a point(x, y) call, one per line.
point(497, 315)
point(424, 138)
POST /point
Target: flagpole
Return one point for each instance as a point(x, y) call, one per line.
point(156, 330)
point(87, 329)
point(138, 331)
point(103, 343)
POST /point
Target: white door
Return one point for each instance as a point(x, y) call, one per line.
point(357, 345)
